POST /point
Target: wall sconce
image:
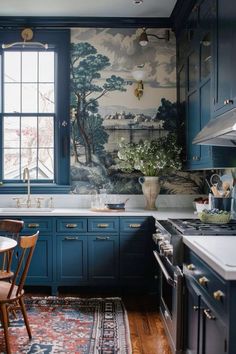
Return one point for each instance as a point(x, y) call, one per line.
point(139, 74)
point(26, 34)
point(143, 39)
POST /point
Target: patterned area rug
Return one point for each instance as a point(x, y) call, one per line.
point(71, 325)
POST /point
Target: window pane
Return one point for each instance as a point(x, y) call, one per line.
point(46, 132)
point(29, 159)
point(46, 164)
point(11, 164)
point(28, 132)
point(11, 98)
point(46, 98)
point(11, 134)
point(29, 66)
point(29, 98)
point(11, 66)
point(46, 66)
point(28, 141)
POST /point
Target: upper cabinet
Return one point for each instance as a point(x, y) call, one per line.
point(224, 93)
point(197, 83)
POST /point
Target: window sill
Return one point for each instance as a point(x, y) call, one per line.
point(44, 188)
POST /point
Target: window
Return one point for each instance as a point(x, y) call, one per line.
point(35, 112)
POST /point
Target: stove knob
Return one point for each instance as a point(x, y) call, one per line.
point(203, 281)
point(158, 237)
point(168, 251)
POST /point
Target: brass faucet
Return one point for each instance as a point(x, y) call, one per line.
point(26, 177)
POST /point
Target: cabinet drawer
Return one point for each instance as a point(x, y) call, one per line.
point(33, 224)
point(102, 224)
point(206, 278)
point(133, 225)
point(71, 225)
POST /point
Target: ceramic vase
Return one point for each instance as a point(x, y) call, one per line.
point(151, 188)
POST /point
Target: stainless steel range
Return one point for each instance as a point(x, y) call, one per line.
point(168, 252)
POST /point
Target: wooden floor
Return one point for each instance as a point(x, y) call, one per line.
point(146, 329)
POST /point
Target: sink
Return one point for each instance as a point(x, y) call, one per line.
point(20, 210)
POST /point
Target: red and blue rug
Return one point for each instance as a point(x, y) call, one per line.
point(71, 325)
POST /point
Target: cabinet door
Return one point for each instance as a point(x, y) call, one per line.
point(193, 127)
point(133, 257)
point(40, 270)
point(192, 329)
point(103, 258)
point(214, 340)
point(72, 258)
point(224, 70)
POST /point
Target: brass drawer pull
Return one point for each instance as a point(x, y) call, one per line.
point(203, 281)
point(218, 295)
point(134, 226)
point(102, 238)
point(102, 226)
point(191, 266)
point(207, 313)
point(71, 226)
point(33, 226)
point(71, 238)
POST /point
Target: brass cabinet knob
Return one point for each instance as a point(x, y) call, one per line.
point(203, 281)
point(195, 308)
point(218, 295)
point(191, 266)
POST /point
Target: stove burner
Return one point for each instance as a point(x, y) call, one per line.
point(196, 227)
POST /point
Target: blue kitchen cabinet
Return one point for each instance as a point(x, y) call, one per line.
point(224, 61)
point(71, 259)
point(79, 251)
point(196, 65)
point(207, 310)
point(103, 258)
point(41, 267)
point(136, 250)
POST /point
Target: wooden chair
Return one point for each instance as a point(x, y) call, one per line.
point(12, 229)
point(12, 294)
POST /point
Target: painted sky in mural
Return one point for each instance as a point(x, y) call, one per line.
point(105, 109)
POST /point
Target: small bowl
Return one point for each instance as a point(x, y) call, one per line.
point(201, 206)
point(115, 205)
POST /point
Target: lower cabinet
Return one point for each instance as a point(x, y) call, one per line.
point(41, 267)
point(205, 331)
point(71, 258)
point(133, 257)
point(207, 315)
point(81, 251)
point(103, 258)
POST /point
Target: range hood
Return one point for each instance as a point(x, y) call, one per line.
point(219, 131)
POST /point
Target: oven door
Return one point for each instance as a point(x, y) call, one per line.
point(171, 305)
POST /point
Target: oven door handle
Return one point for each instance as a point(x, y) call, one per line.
point(169, 280)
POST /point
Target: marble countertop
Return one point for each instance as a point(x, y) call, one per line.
point(160, 214)
point(217, 251)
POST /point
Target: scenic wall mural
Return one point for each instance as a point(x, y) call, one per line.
point(104, 109)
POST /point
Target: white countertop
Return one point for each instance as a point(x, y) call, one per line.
point(161, 214)
point(217, 251)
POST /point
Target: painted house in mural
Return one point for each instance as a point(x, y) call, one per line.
point(104, 108)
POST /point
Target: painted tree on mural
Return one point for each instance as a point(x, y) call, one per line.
point(87, 89)
point(167, 112)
